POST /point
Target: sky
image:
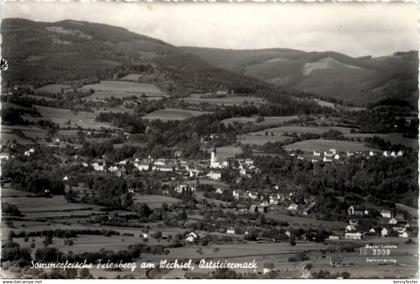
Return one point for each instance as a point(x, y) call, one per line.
point(355, 29)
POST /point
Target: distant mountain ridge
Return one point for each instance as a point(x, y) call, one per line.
point(47, 52)
point(327, 74)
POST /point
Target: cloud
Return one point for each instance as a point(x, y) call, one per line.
point(353, 28)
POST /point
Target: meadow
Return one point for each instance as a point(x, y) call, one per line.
point(261, 139)
point(52, 88)
point(227, 100)
point(267, 120)
point(155, 201)
point(119, 89)
point(324, 144)
point(173, 114)
point(63, 116)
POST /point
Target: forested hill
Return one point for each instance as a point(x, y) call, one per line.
point(330, 75)
point(40, 53)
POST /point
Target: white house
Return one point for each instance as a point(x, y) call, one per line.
point(400, 153)
point(253, 195)
point(214, 175)
point(181, 188)
point(99, 167)
point(29, 152)
point(293, 207)
point(219, 190)
point(372, 230)
point(386, 214)
point(371, 153)
point(386, 154)
point(393, 221)
point(325, 159)
point(191, 237)
point(403, 235)
point(350, 228)
point(264, 204)
point(236, 194)
point(384, 232)
point(230, 231)
point(353, 236)
point(336, 157)
point(317, 154)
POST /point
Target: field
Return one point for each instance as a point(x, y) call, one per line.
point(261, 139)
point(323, 145)
point(119, 89)
point(52, 88)
point(268, 120)
point(228, 100)
point(173, 114)
point(223, 153)
point(29, 132)
point(155, 201)
point(31, 205)
point(80, 118)
point(394, 138)
point(306, 222)
point(282, 130)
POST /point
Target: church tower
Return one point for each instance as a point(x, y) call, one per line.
point(213, 159)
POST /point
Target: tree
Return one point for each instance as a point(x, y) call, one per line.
point(292, 241)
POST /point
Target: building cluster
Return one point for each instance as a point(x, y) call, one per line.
point(390, 224)
point(332, 155)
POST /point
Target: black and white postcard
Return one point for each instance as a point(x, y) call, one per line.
point(225, 140)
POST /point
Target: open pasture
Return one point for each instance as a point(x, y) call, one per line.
point(154, 201)
point(57, 203)
point(261, 139)
point(283, 130)
point(173, 114)
point(267, 120)
point(52, 88)
point(223, 153)
point(227, 100)
point(63, 116)
point(119, 89)
point(393, 138)
point(10, 133)
point(323, 145)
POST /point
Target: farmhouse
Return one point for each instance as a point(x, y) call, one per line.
point(293, 207)
point(214, 175)
point(353, 236)
point(98, 166)
point(358, 211)
point(236, 194)
point(393, 221)
point(230, 231)
point(386, 214)
point(333, 238)
point(191, 237)
point(384, 232)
